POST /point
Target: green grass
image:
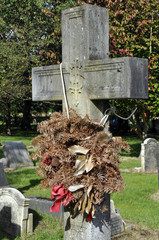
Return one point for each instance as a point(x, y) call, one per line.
point(27, 181)
point(135, 147)
point(130, 163)
point(135, 203)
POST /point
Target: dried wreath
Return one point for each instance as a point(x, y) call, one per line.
point(79, 160)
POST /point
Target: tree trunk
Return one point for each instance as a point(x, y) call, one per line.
point(141, 129)
point(26, 120)
point(8, 118)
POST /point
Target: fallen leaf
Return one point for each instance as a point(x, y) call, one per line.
point(89, 164)
point(75, 149)
point(75, 187)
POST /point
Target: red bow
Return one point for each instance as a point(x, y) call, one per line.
point(59, 193)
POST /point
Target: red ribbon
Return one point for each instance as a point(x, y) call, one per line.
point(59, 193)
point(89, 217)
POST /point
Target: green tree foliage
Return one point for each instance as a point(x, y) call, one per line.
point(30, 35)
point(24, 30)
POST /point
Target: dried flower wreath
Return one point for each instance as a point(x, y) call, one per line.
point(79, 161)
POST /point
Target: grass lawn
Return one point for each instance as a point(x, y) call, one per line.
point(134, 201)
point(27, 182)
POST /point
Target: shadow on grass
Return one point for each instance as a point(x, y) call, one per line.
point(33, 183)
point(23, 179)
point(4, 235)
point(36, 218)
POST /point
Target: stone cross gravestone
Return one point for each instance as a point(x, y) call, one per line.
point(14, 217)
point(150, 155)
point(16, 155)
point(90, 78)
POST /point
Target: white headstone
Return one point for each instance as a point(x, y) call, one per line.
point(150, 155)
point(14, 217)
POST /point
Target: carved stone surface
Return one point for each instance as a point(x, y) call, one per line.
point(79, 228)
point(89, 76)
point(3, 179)
point(16, 154)
point(14, 217)
point(123, 77)
point(85, 34)
point(150, 155)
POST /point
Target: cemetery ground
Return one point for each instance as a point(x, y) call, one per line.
point(138, 202)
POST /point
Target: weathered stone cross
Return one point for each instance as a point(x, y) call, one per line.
point(90, 77)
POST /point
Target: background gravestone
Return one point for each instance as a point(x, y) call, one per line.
point(117, 224)
point(14, 217)
point(16, 155)
point(149, 155)
point(3, 179)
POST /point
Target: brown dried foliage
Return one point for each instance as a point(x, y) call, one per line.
point(59, 133)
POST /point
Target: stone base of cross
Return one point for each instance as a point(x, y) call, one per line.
point(90, 77)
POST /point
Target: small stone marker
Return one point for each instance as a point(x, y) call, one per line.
point(117, 224)
point(3, 179)
point(150, 155)
point(90, 78)
point(16, 155)
point(14, 217)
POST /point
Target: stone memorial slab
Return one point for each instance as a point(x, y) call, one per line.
point(14, 217)
point(16, 154)
point(3, 179)
point(43, 205)
point(117, 224)
point(79, 228)
point(150, 155)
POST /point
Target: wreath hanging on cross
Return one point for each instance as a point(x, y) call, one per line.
point(79, 161)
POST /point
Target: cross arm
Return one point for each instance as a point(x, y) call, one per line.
point(46, 83)
point(115, 78)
